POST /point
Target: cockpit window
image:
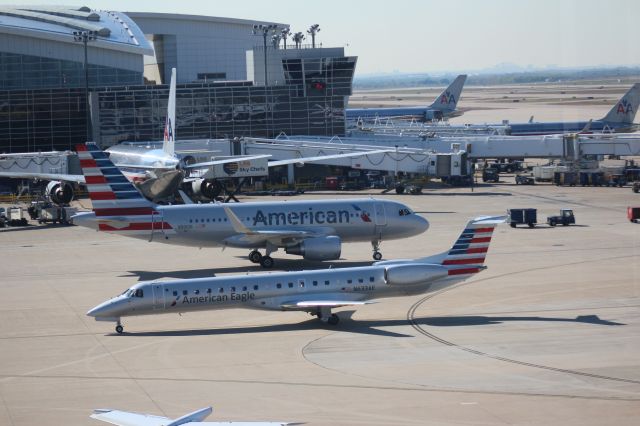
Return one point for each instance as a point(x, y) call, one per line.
point(138, 293)
point(404, 212)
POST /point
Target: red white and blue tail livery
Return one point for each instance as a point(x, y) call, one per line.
point(468, 253)
point(117, 204)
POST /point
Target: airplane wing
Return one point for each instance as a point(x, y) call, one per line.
point(306, 304)
point(124, 418)
point(276, 237)
point(303, 160)
point(224, 161)
point(43, 176)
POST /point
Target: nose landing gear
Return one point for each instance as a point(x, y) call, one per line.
point(377, 255)
point(119, 328)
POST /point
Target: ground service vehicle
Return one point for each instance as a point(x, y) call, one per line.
point(490, 175)
point(565, 218)
point(633, 214)
point(636, 187)
point(522, 216)
point(525, 180)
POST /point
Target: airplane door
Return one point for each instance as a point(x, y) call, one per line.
point(158, 296)
point(157, 224)
point(380, 216)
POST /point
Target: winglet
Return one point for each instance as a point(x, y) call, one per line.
point(196, 416)
point(237, 224)
point(587, 127)
point(168, 146)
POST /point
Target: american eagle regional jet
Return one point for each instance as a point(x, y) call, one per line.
point(313, 229)
point(316, 292)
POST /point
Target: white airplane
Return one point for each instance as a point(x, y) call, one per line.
point(313, 229)
point(125, 418)
point(316, 292)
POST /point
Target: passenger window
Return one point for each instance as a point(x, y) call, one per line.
point(290, 285)
point(279, 285)
point(370, 279)
point(196, 291)
point(349, 281)
point(301, 283)
point(315, 283)
point(233, 289)
point(326, 283)
point(360, 280)
point(184, 292)
point(208, 291)
point(255, 287)
point(175, 293)
point(244, 288)
point(221, 290)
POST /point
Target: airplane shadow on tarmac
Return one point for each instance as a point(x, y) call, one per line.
point(482, 320)
point(281, 266)
point(346, 325)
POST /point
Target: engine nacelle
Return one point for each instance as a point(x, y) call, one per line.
point(60, 193)
point(317, 248)
point(433, 115)
point(206, 188)
point(412, 274)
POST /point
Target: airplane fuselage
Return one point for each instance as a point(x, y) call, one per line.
point(207, 225)
point(276, 291)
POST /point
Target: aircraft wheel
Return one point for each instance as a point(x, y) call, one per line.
point(333, 319)
point(266, 262)
point(255, 256)
point(119, 329)
point(377, 255)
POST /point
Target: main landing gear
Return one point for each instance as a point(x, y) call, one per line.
point(324, 314)
point(119, 328)
point(264, 261)
point(376, 250)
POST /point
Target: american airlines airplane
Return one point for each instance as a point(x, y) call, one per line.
point(316, 292)
point(313, 229)
point(443, 106)
point(125, 418)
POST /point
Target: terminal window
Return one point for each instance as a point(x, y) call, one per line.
point(212, 76)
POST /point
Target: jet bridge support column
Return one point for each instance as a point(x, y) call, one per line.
point(291, 175)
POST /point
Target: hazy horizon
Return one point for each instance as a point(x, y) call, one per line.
point(413, 36)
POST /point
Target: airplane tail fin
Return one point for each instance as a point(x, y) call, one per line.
point(448, 99)
point(117, 203)
point(624, 111)
point(467, 254)
point(168, 145)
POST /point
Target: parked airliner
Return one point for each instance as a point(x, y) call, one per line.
point(442, 107)
point(316, 292)
point(314, 229)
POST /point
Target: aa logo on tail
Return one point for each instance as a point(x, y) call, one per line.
point(447, 98)
point(624, 107)
point(168, 130)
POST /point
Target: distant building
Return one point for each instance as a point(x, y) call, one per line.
point(42, 96)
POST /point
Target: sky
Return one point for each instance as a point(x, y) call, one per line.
point(424, 36)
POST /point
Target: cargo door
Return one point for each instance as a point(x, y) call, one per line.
point(158, 296)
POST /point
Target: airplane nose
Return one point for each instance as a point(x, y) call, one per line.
point(422, 223)
point(101, 310)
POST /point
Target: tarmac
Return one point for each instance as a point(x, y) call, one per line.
point(548, 334)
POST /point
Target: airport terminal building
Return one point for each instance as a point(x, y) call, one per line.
point(221, 88)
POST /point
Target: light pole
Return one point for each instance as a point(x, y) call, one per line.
point(84, 37)
point(264, 30)
point(315, 28)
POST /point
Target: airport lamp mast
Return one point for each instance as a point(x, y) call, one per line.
point(313, 30)
point(264, 30)
point(84, 37)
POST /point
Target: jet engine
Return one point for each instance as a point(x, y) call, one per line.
point(207, 188)
point(412, 274)
point(60, 193)
point(317, 248)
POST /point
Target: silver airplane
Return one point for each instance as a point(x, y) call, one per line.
point(125, 418)
point(443, 106)
point(316, 292)
point(314, 229)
